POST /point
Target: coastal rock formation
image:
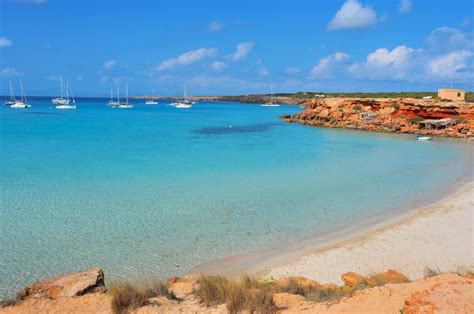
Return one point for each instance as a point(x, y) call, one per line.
point(450, 294)
point(68, 285)
point(445, 293)
point(353, 280)
point(402, 115)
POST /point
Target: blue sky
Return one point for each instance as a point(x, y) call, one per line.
point(236, 47)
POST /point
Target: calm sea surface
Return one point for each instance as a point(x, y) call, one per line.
point(156, 190)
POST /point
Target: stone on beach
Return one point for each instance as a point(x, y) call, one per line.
point(68, 285)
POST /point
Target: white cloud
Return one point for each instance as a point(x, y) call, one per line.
point(215, 26)
point(5, 42)
point(110, 64)
point(385, 64)
point(405, 7)
point(187, 58)
point(263, 71)
point(79, 77)
point(292, 70)
point(451, 65)
point(445, 39)
point(352, 15)
point(218, 65)
point(242, 50)
point(329, 65)
point(10, 72)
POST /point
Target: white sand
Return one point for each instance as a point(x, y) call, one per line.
point(439, 236)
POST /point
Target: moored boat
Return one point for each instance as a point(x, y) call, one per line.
point(423, 138)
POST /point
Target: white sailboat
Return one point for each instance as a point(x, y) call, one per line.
point(152, 100)
point(22, 103)
point(64, 103)
point(12, 96)
point(126, 104)
point(60, 100)
point(185, 103)
point(270, 104)
point(112, 102)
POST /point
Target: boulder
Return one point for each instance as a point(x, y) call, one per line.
point(352, 280)
point(68, 285)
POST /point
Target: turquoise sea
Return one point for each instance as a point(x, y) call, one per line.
point(155, 191)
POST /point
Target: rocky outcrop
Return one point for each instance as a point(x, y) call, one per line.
point(402, 115)
point(68, 285)
point(445, 293)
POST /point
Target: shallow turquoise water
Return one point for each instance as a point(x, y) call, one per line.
point(156, 190)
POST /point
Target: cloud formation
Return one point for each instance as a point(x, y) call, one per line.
point(352, 15)
point(8, 72)
point(405, 7)
point(215, 26)
point(187, 58)
point(5, 42)
point(110, 64)
point(328, 66)
point(218, 65)
point(243, 50)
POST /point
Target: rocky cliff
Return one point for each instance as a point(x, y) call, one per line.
point(402, 115)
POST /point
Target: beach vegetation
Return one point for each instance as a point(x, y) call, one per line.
point(431, 272)
point(126, 297)
point(357, 107)
point(415, 120)
point(246, 294)
point(9, 302)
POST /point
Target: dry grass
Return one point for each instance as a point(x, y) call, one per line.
point(9, 302)
point(246, 294)
point(313, 292)
point(431, 272)
point(127, 297)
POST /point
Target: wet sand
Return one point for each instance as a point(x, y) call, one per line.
point(438, 236)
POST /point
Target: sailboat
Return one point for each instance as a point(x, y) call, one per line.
point(60, 100)
point(270, 104)
point(126, 104)
point(64, 103)
point(152, 100)
point(19, 104)
point(12, 96)
point(112, 102)
point(185, 103)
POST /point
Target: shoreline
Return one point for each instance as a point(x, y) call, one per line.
point(302, 257)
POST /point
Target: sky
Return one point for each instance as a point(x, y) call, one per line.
point(236, 47)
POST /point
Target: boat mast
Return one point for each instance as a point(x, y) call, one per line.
point(62, 89)
point(67, 91)
point(111, 96)
point(126, 92)
point(23, 96)
point(12, 95)
point(185, 96)
point(72, 95)
point(118, 94)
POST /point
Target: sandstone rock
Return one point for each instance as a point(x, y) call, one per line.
point(444, 297)
point(285, 300)
point(324, 113)
point(68, 285)
point(181, 287)
point(352, 280)
point(390, 276)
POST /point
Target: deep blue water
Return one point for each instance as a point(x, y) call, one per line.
point(156, 190)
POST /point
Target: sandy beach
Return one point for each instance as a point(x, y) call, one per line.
point(438, 236)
